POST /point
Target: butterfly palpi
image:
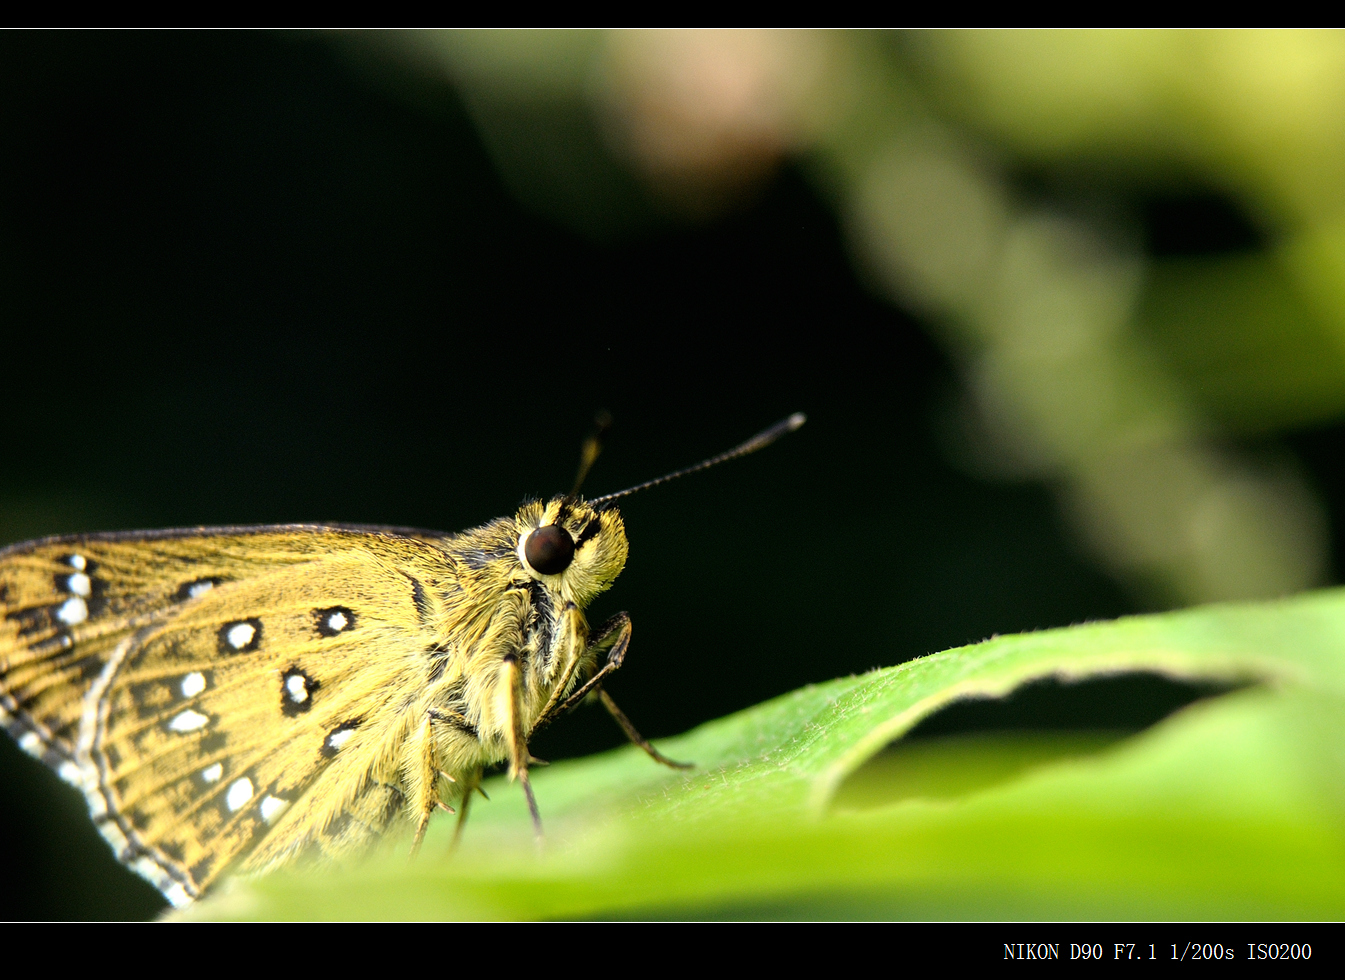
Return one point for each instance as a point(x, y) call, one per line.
point(238, 698)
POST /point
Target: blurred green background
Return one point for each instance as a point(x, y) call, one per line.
point(1066, 311)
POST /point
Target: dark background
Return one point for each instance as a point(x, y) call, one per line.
point(242, 283)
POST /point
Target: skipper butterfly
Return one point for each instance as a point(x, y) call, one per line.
point(239, 698)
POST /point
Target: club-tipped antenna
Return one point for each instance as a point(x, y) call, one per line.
point(759, 441)
point(591, 449)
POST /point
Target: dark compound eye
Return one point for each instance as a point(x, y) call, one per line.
point(549, 549)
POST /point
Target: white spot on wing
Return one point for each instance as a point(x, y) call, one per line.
point(272, 806)
point(337, 621)
point(150, 869)
point(193, 684)
point(240, 635)
point(77, 562)
point(198, 589)
point(189, 721)
point(78, 583)
point(339, 738)
point(177, 895)
point(73, 611)
point(212, 774)
point(31, 743)
point(297, 687)
point(239, 794)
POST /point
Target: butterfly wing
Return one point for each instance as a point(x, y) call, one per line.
point(221, 693)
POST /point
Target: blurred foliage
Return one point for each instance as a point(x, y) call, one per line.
point(1231, 808)
point(984, 177)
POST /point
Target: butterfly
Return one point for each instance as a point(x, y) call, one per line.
point(236, 699)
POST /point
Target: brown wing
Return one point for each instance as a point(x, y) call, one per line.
point(211, 689)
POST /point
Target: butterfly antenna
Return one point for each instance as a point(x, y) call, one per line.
point(759, 441)
point(591, 449)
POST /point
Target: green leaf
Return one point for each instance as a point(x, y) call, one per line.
point(1231, 808)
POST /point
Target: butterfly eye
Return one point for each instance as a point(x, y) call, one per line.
point(549, 549)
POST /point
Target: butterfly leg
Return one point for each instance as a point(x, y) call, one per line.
point(614, 637)
point(518, 739)
point(572, 648)
point(635, 737)
point(426, 788)
point(470, 784)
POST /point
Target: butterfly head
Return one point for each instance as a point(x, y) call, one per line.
point(571, 547)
